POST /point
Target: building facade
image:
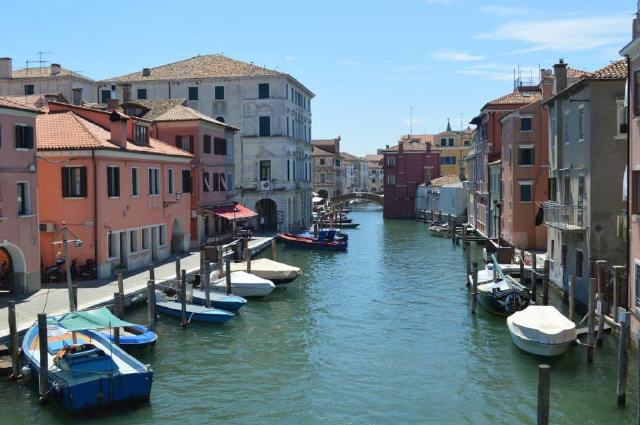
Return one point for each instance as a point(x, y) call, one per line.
point(327, 167)
point(376, 175)
point(53, 79)
point(19, 233)
point(273, 112)
point(587, 158)
point(453, 147)
point(125, 194)
point(407, 166)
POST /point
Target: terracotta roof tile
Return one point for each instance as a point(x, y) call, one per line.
point(66, 130)
point(444, 180)
point(519, 96)
point(12, 103)
point(206, 66)
point(576, 74)
point(614, 71)
point(320, 152)
point(150, 109)
point(46, 72)
point(184, 113)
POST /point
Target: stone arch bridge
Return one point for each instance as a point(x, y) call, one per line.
point(359, 195)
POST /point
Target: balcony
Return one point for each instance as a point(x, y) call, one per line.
point(564, 217)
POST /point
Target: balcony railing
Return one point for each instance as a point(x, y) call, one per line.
point(564, 217)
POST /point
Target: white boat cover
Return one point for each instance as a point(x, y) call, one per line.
point(485, 276)
point(543, 324)
point(501, 285)
point(268, 269)
point(244, 279)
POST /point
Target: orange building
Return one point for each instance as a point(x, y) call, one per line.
point(123, 193)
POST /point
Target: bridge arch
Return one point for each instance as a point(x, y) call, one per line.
point(379, 199)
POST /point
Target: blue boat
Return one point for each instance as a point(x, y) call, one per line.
point(329, 243)
point(85, 369)
point(196, 313)
point(133, 337)
point(324, 234)
point(218, 300)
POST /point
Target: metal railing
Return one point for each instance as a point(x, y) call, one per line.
point(564, 217)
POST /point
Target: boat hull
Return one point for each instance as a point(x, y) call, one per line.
point(539, 349)
point(142, 338)
point(229, 303)
point(312, 244)
point(218, 316)
point(245, 291)
point(502, 302)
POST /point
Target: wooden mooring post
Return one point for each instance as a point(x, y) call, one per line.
point(151, 304)
point(591, 322)
point(228, 274)
point(474, 290)
point(617, 285)
point(152, 272)
point(600, 310)
point(545, 282)
point(13, 337)
point(118, 311)
point(544, 390)
point(120, 284)
point(220, 260)
point(74, 293)
point(247, 259)
point(274, 250)
point(522, 266)
point(467, 256)
point(177, 270)
point(623, 355)
point(43, 381)
point(206, 281)
point(183, 298)
point(534, 278)
point(572, 296)
point(464, 237)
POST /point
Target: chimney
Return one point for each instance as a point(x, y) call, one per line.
point(560, 74)
point(55, 69)
point(6, 69)
point(146, 72)
point(546, 83)
point(400, 147)
point(113, 104)
point(427, 176)
point(118, 129)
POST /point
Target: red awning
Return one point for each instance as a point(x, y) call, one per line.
point(227, 211)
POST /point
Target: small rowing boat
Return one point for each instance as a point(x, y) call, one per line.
point(218, 300)
point(196, 313)
point(133, 337)
point(328, 244)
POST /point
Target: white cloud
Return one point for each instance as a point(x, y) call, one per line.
point(451, 55)
point(564, 34)
point(501, 72)
point(350, 62)
point(503, 10)
point(290, 58)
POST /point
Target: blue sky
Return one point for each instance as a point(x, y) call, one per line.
point(368, 62)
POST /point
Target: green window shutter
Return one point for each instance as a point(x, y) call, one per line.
point(83, 182)
point(28, 137)
point(65, 181)
point(116, 178)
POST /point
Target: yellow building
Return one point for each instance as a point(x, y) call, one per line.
point(453, 147)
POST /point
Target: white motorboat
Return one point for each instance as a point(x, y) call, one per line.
point(541, 330)
point(484, 276)
point(244, 284)
point(279, 273)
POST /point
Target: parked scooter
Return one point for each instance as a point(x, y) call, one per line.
point(84, 272)
point(55, 273)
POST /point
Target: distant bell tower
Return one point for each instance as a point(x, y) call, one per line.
point(448, 125)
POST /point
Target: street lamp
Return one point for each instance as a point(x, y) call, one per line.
point(169, 203)
point(65, 242)
point(235, 204)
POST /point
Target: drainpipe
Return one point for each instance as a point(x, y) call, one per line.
point(628, 174)
point(95, 209)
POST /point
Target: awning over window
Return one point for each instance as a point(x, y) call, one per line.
point(227, 211)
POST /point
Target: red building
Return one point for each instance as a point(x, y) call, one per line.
point(406, 166)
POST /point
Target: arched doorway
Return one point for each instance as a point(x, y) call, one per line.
point(6, 271)
point(267, 209)
point(177, 237)
point(323, 194)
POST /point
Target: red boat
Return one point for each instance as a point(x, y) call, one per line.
point(304, 242)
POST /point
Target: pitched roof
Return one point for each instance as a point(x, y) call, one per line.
point(184, 113)
point(205, 66)
point(520, 96)
point(150, 109)
point(67, 130)
point(444, 180)
point(11, 103)
point(573, 73)
point(373, 157)
point(38, 101)
point(42, 72)
point(320, 152)
point(348, 156)
point(328, 145)
point(614, 71)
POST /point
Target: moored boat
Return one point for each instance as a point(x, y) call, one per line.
point(503, 297)
point(196, 313)
point(244, 284)
point(218, 300)
point(296, 241)
point(133, 337)
point(440, 230)
point(541, 330)
point(279, 273)
point(85, 370)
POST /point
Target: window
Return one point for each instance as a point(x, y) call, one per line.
point(637, 301)
point(579, 263)
point(621, 118)
point(219, 93)
point(635, 192)
point(24, 201)
point(526, 191)
point(134, 241)
point(391, 180)
point(193, 93)
point(230, 186)
point(154, 181)
point(443, 141)
point(170, 180)
point(141, 134)
point(24, 137)
point(216, 182)
point(448, 160)
point(322, 178)
point(185, 143)
point(142, 94)
point(219, 146)
point(74, 182)
point(526, 124)
point(113, 245)
point(263, 91)
point(467, 142)
point(322, 161)
point(265, 170)
point(265, 126)
point(206, 143)
point(206, 184)
point(221, 119)
point(565, 128)
point(287, 126)
point(186, 181)
point(135, 191)
point(162, 235)
point(636, 100)
point(28, 89)
point(581, 124)
point(553, 248)
point(526, 155)
point(563, 255)
point(288, 170)
point(105, 96)
point(337, 162)
point(391, 161)
point(113, 181)
point(451, 141)
point(223, 182)
point(146, 238)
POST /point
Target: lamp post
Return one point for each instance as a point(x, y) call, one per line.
point(235, 204)
point(77, 243)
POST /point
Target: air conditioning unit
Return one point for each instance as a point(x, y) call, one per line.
point(265, 185)
point(47, 227)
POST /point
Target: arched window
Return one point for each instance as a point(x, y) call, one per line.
point(221, 119)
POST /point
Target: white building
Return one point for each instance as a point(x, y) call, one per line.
point(272, 110)
point(444, 197)
point(52, 79)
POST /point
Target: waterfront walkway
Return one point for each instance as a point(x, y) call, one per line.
point(53, 298)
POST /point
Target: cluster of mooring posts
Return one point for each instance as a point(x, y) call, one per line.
point(221, 255)
point(605, 295)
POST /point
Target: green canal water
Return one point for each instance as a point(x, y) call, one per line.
point(381, 334)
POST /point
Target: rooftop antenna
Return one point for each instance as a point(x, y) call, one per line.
point(411, 108)
point(40, 62)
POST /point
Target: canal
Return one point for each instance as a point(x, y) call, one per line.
point(380, 334)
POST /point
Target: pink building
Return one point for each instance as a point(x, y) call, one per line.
point(525, 171)
point(125, 194)
point(19, 242)
point(407, 166)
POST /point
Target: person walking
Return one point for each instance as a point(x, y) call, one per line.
point(262, 224)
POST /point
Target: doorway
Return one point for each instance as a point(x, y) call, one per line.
point(267, 209)
point(6, 272)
